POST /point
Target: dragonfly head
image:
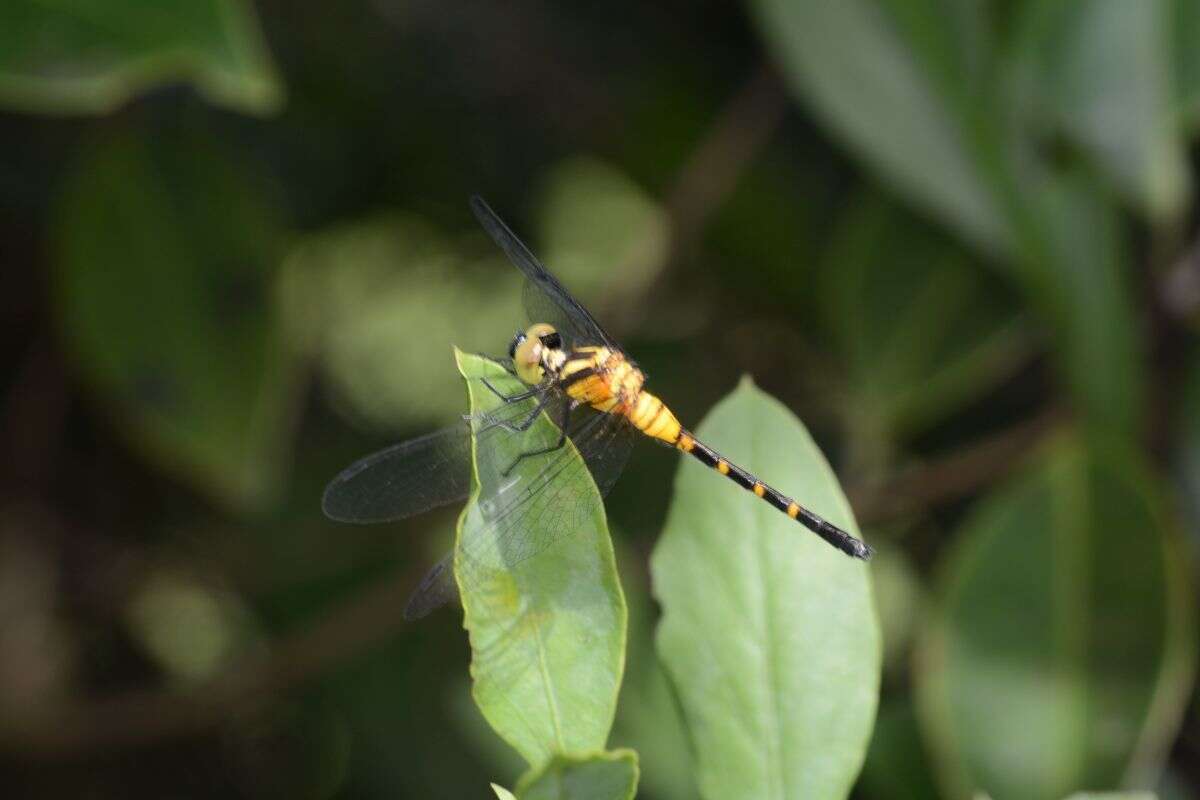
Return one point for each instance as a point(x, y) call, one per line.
point(536, 352)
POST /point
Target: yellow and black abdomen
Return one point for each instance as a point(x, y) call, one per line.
point(831, 533)
point(607, 382)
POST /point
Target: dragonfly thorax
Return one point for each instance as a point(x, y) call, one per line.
point(537, 352)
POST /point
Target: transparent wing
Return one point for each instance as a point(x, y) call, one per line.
point(526, 513)
point(412, 477)
point(546, 300)
point(404, 480)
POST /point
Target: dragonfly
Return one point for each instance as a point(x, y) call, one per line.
point(573, 373)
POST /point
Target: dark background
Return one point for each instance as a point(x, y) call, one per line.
point(211, 303)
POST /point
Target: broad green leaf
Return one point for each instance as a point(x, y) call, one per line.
point(376, 301)
point(542, 605)
point(1103, 75)
point(1063, 646)
point(921, 328)
point(167, 300)
point(91, 56)
point(896, 81)
point(768, 634)
point(600, 776)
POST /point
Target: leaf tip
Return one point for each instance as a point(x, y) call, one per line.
point(501, 792)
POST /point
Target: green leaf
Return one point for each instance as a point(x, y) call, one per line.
point(91, 56)
point(544, 609)
point(768, 633)
point(1063, 646)
point(166, 294)
point(502, 793)
point(920, 338)
point(1103, 73)
point(915, 66)
point(601, 776)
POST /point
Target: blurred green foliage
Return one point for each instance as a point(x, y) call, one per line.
point(956, 237)
point(1081, 702)
point(91, 56)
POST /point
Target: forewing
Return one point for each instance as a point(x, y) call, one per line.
point(412, 477)
point(404, 480)
point(546, 300)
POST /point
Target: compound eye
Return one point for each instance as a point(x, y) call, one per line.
point(514, 344)
point(552, 341)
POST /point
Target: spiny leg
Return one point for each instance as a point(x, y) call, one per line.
point(511, 398)
point(562, 438)
point(519, 427)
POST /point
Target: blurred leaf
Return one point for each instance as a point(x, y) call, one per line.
point(376, 300)
point(91, 56)
point(648, 718)
point(380, 301)
point(1080, 281)
point(502, 793)
point(897, 766)
point(922, 330)
point(166, 296)
point(768, 633)
point(547, 628)
point(602, 235)
point(896, 82)
point(190, 629)
point(1188, 443)
point(1185, 31)
point(603, 776)
point(897, 589)
point(598, 226)
point(1103, 71)
point(1063, 645)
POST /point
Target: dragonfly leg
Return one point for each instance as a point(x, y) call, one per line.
point(510, 398)
point(521, 426)
point(562, 439)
